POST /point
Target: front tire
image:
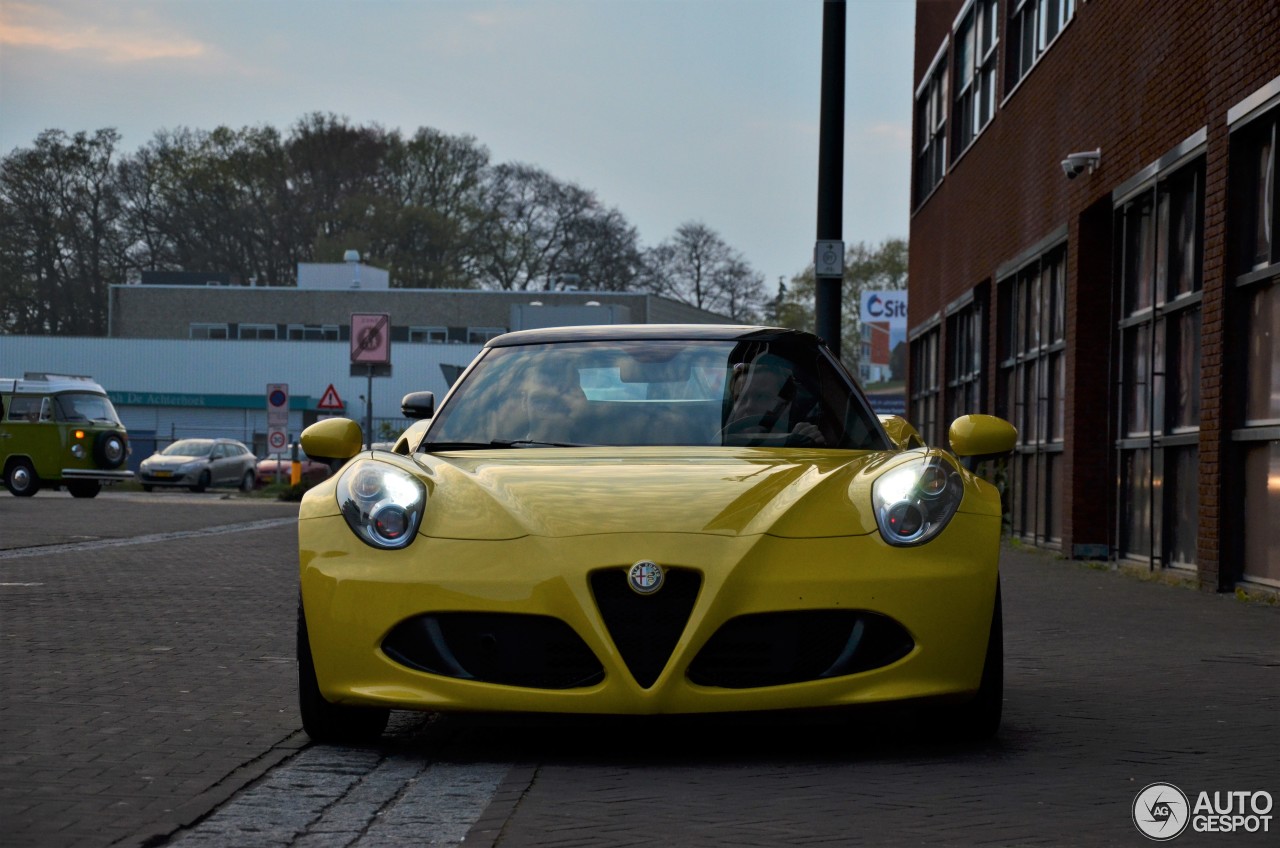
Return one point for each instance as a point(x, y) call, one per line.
point(979, 718)
point(323, 721)
point(84, 488)
point(202, 482)
point(20, 478)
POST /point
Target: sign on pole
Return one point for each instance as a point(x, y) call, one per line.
point(370, 338)
point(330, 399)
point(277, 416)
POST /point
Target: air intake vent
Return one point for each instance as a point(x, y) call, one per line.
point(534, 651)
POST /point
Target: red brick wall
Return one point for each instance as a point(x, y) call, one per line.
point(1135, 78)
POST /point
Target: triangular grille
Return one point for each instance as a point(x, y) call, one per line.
point(645, 628)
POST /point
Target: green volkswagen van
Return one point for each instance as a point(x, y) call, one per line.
point(59, 430)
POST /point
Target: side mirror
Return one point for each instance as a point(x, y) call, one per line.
point(418, 405)
point(905, 437)
point(982, 437)
point(332, 438)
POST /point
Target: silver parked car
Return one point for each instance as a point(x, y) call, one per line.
point(198, 464)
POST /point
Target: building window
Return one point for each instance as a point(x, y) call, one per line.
point(1032, 390)
point(429, 335)
point(925, 386)
point(480, 335)
point(975, 72)
point(208, 331)
point(965, 361)
point(1033, 25)
point(1254, 198)
point(931, 130)
point(256, 331)
point(312, 333)
point(1159, 233)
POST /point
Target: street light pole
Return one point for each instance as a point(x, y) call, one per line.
point(829, 275)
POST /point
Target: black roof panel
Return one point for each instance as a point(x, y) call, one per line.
point(651, 332)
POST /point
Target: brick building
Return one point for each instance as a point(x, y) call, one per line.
point(1124, 316)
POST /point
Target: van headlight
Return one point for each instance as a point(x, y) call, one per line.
point(382, 504)
point(914, 501)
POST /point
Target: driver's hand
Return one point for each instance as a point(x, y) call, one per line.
point(806, 433)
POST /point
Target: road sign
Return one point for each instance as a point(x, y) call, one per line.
point(828, 259)
point(370, 338)
point(330, 399)
point(278, 405)
point(277, 439)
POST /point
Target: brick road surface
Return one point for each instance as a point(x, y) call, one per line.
point(141, 686)
point(1112, 683)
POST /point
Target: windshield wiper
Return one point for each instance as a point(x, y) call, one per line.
point(534, 443)
point(432, 447)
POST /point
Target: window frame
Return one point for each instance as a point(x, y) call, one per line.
point(929, 152)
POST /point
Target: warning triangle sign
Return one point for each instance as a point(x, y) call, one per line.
point(330, 399)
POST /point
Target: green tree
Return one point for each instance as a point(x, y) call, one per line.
point(61, 245)
point(881, 267)
point(696, 266)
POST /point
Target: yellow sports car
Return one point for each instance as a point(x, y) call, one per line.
point(643, 520)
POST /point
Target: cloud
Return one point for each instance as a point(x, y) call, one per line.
point(37, 28)
point(895, 136)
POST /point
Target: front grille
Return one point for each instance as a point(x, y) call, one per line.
point(774, 649)
point(534, 651)
point(645, 628)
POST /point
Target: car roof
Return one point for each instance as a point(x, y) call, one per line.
point(651, 332)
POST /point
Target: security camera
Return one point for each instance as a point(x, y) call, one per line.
point(1076, 163)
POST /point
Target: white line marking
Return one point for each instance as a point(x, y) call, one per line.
point(73, 547)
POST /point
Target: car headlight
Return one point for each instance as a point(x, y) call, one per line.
point(915, 500)
point(382, 504)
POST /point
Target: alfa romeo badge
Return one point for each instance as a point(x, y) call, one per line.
point(645, 577)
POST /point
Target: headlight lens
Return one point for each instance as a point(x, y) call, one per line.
point(382, 504)
point(914, 501)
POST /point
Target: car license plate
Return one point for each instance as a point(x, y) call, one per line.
point(164, 473)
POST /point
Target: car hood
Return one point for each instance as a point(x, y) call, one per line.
point(173, 460)
point(575, 492)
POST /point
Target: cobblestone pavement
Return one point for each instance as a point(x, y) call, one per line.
point(140, 684)
point(143, 685)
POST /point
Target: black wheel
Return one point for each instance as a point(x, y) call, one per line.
point(84, 488)
point(147, 487)
point(21, 479)
point(979, 718)
point(202, 482)
point(326, 722)
point(110, 449)
point(246, 482)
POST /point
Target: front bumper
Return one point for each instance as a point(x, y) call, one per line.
point(91, 474)
point(152, 478)
point(439, 604)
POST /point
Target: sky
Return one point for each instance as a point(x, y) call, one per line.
point(668, 110)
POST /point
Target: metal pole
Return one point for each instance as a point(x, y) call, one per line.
point(368, 409)
point(827, 295)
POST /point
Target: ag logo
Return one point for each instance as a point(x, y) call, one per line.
point(1161, 811)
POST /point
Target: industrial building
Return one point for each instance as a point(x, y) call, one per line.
point(193, 354)
point(1095, 255)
